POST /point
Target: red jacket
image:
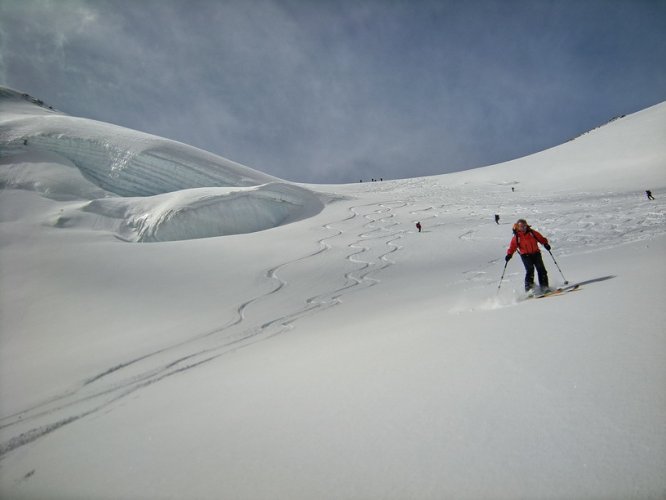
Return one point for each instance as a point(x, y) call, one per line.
point(526, 243)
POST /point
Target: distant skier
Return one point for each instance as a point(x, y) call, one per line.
point(648, 193)
point(496, 218)
point(418, 226)
point(525, 240)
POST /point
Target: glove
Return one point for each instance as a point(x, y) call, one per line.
point(547, 246)
point(507, 258)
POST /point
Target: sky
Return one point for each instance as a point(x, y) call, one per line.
point(335, 92)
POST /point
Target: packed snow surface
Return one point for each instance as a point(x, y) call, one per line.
point(306, 341)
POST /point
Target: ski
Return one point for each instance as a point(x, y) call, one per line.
point(556, 291)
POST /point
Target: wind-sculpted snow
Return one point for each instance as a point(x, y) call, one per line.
point(67, 158)
point(199, 213)
point(47, 173)
point(125, 162)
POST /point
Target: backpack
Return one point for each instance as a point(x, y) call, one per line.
point(517, 233)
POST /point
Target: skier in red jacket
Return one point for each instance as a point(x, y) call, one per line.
point(525, 240)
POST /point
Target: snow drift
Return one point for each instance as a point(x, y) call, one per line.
point(144, 186)
point(196, 213)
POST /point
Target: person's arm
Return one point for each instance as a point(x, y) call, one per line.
point(541, 239)
point(512, 248)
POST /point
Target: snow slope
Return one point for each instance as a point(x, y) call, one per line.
point(342, 354)
point(619, 156)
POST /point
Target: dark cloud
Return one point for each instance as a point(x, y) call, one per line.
point(319, 91)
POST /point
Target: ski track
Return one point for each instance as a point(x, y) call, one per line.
point(368, 254)
point(595, 221)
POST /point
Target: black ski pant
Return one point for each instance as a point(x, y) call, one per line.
point(534, 261)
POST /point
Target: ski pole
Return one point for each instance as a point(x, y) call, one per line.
point(558, 266)
point(500, 283)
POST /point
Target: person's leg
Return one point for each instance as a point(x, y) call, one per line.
point(541, 270)
point(529, 271)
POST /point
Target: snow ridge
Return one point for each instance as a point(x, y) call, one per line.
point(143, 188)
point(127, 169)
point(202, 213)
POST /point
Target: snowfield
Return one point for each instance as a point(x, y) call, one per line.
point(176, 325)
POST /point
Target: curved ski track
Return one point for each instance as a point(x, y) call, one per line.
point(377, 235)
